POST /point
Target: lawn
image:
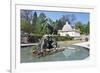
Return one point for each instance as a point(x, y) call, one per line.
point(70, 42)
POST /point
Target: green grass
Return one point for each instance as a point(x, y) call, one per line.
point(71, 41)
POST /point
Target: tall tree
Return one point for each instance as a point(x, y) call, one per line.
point(42, 23)
point(25, 26)
point(80, 27)
point(34, 22)
point(70, 18)
point(87, 28)
point(26, 16)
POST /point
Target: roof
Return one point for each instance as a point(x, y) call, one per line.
point(67, 27)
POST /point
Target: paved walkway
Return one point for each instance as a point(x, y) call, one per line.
point(29, 44)
point(84, 44)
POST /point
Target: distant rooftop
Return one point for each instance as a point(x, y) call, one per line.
point(67, 27)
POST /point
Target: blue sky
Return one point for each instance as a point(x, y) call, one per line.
point(80, 16)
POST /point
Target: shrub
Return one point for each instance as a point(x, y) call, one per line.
point(34, 38)
point(34, 47)
point(64, 38)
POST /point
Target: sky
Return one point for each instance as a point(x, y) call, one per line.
point(55, 15)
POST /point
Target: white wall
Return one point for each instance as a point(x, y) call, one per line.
point(72, 34)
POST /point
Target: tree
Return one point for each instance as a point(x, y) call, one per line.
point(26, 17)
point(60, 24)
point(87, 28)
point(84, 28)
point(34, 22)
point(41, 24)
point(25, 26)
point(62, 21)
point(69, 18)
point(80, 27)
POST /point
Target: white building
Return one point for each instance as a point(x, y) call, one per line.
point(68, 31)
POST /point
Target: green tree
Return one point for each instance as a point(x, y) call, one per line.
point(26, 17)
point(87, 28)
point(84, 28)
point(41, 24)
point(34, 23)
point(80, 27)
point(62, 21)
point(25, 26)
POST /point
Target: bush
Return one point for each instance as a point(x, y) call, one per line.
point(64, 38)
point(34, 38)
point(34, 47)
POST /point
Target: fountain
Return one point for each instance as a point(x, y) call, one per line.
point(47, 44)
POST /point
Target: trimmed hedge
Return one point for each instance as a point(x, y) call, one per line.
point(35, 38)
point(64, 38)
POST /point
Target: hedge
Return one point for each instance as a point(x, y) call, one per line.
point(64, 38)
